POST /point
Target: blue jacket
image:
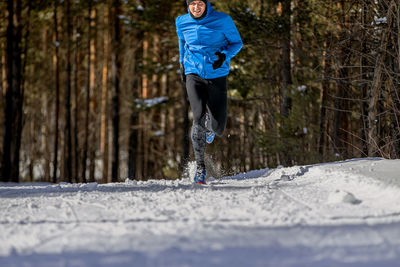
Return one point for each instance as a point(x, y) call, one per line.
point(199, 40)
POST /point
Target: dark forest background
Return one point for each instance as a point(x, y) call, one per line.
point(90, 90)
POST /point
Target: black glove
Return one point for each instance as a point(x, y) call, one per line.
point(183, 76)
point(221, 58)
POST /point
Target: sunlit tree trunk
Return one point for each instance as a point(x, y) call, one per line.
point(143, 120)
point(94, 99)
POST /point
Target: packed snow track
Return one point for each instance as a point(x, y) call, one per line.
point(336, 214)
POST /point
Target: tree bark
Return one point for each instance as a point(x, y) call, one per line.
point(87, 102)
point(3, 71)
point(144, 140)
point(374, 93)
point(396, 128)
point(77, 89)
point(57, 95)
point(45, 133)
point(45, 127)
point(67, 98)
point(286, 50)
point(134, 118)
point(372, 109)
point(93, 101)
point(14, 95)
point(115, 78)
point(324, 99)
point(286, 69)
point(104, 101)
point(341, 121)
point(364, 76)
point(3, 90)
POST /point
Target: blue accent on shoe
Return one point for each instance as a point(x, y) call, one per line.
point(210, 135)
point(200, 176)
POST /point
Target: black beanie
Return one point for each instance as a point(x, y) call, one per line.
point(189, 1)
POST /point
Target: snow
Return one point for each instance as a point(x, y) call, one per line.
point(378, 21)
point(148, 103)
point(334, 214)
point(302, 88)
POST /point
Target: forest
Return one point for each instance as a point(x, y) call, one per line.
point(91, 90)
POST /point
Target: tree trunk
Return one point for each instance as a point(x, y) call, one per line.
point(14, 95)
point(77, 89)
point(104, 100)
point(396, 126)
point(134, 118)
point(45, 133)
point(286, 71)
point(154, 118)
point(67, 98)
point(133, 144)
point(324, 99)
point(340, 117)
point(3, 91)
point(144, 141)
point(286, 50)
point(115, 78)
point(3, 85)
point(93, 101)
point(3, 71)
point(326, 64)
point(364, 76)
point(56, 64)
point(341, 121)
point(374, 93)
point(372, 109)
point(87, 102)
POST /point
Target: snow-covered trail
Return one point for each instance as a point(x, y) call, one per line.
point(344, 213)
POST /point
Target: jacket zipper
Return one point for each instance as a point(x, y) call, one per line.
point(204, 66)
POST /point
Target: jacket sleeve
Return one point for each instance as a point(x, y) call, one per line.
point(232, 35)
point(181, 42)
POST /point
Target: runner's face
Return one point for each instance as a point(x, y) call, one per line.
point(197, 8)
